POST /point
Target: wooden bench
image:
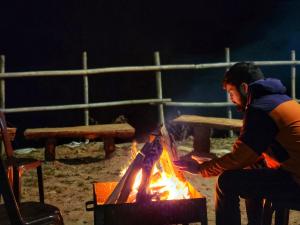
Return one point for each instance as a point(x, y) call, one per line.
point(202, 126)
point(105, 131)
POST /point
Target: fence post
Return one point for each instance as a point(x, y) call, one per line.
point(85, 88)
point(159, 89)
point(293, 75)
point(2, 92)
point(2, 83)
point(229, 111)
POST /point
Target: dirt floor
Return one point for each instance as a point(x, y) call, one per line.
point(68, 180)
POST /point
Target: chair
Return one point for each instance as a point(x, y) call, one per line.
point(20, 164)
point(27, 213)
point(281, 209)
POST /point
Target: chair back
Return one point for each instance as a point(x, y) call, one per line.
point(10, 202)
point(5, 137)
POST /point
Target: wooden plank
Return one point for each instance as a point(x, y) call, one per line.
point(212, 122)
point(121, 130)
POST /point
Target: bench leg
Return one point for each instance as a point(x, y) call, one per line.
point(50, 149)
point(201, 139)
point(282, 217)
point(17, 184)
point(40, 183)
point(109, 146)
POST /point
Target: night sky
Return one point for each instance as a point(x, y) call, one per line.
point(54, 33)
point(51, 35)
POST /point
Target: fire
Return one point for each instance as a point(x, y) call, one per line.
point(164, 182)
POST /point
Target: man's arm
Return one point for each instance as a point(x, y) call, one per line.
point(257, 134)
point(241, 156)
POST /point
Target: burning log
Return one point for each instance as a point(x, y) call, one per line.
point(128, 178)
point(169, 141)
point(145, 159)
point(150, 159)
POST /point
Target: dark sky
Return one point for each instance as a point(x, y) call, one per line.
point(51, 35)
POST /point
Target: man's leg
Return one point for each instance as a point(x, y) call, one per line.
point(227, 200)
point(254, 209)
point(254, 206)
point(248, 183)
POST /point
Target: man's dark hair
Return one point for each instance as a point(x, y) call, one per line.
point(242, 72)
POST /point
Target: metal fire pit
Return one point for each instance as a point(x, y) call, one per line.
point(183, 211)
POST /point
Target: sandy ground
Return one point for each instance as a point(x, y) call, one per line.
point(68, 180)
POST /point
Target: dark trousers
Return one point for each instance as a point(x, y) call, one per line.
point(253, 185)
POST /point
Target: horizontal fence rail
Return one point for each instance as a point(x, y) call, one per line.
point(86, 106)
point(157, 68)
point(82, 72)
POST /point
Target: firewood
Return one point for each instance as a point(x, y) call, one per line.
point(169, 140)
point(127, 187)
point(126, 179)
point(124, 186)
point(171, 155)
point(150, 159)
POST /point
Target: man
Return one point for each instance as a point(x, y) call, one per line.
point(271, 130)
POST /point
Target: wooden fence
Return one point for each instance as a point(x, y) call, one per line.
point(157, 68)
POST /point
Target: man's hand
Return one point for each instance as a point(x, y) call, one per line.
point(191, 166)
point(201, 159)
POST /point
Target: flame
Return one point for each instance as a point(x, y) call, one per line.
point(164, 184)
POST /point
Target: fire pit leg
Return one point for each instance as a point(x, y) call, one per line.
point(109, 146)
point(50, 149)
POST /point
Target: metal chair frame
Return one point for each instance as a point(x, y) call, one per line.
point(27, 213)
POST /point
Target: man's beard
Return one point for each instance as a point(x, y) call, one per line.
point(242, 107)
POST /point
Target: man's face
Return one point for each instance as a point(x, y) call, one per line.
point(238, 98)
